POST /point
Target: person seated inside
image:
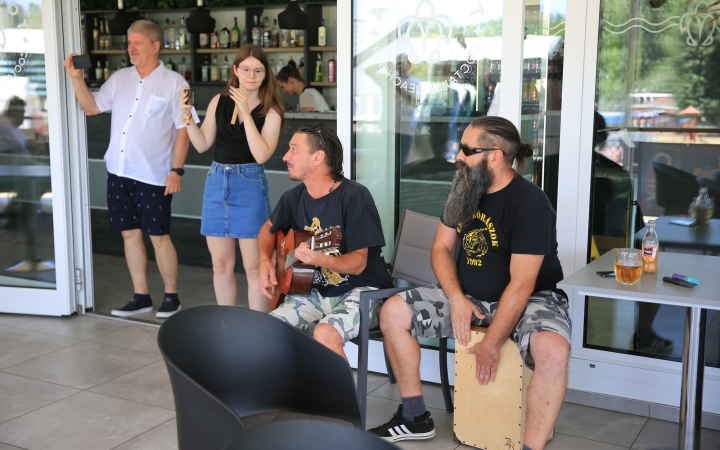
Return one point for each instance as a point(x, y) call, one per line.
point(504, 278)
point(292, 83)
point(330, 312)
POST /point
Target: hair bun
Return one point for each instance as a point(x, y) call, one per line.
point(525, 150)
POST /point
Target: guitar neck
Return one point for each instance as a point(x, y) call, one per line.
point(291, 259)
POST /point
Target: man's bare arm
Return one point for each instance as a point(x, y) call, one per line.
point(266, 247)
point(173, 183)
point(82, 93)
point(352, 263)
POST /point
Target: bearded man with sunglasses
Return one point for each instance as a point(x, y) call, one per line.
point(504, 278)
point(325, 198)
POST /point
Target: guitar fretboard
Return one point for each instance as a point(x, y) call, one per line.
point(325, 247)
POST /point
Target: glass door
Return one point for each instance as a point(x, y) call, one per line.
point(35, 269)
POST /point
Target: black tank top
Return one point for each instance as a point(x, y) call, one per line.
point(231, 145)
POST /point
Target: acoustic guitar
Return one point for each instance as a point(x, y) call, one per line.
point(293, 276)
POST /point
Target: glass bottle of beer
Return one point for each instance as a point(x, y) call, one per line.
point(650, 245)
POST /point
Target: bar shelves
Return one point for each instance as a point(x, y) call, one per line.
point(235, 50)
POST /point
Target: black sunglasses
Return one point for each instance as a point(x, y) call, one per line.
point(469, 151)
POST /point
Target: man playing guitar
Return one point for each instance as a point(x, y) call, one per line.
point(330, 313)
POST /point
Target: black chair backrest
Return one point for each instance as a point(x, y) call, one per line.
point(255, 363)
point(307, 435)
point(411, 257)
point(675, 188)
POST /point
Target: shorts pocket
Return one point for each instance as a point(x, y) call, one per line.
point(253, 175)
point(156, 106)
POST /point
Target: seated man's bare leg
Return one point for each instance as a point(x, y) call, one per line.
point(547, 387)
point(330, 338)
point(402, 348)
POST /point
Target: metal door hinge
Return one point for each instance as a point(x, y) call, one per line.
point(78, 280)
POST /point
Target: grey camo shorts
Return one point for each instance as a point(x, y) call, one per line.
point(545, 311)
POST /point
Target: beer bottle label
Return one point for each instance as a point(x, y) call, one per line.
point(649, 252)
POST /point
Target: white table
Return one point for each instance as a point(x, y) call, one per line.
point(651, 288)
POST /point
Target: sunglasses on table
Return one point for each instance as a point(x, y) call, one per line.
point(469, 151)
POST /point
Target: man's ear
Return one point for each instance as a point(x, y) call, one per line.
point(318, 158)
point(156, 47)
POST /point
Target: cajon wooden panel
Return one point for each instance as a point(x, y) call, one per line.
point(490, 417)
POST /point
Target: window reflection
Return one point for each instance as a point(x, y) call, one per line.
point(657, 141)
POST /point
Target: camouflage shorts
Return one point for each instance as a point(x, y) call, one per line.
point(545, 311)
point(342, 312)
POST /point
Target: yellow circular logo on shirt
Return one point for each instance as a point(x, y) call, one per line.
point(475, 244)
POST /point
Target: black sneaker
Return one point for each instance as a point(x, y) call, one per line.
point(133, 308)
point(169, 307)
point(399, 429)
point(653, 343)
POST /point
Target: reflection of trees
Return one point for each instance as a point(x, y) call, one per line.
point(663, 62)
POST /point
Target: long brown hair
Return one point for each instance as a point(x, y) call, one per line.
point(269, 92)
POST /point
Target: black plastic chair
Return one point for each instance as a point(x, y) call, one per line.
point(674, 188)
point(411, 263)
point(234, 368)
point(713, 187)
point(307, 435)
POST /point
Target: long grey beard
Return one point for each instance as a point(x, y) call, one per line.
point(468, 186)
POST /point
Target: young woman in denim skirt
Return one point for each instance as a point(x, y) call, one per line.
point(244, 122)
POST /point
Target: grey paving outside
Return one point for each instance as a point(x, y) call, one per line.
point(94, 383)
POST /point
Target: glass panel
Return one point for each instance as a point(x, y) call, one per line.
point(543, 55)
point(657, 141)
point(423, 70)
point(26, 220)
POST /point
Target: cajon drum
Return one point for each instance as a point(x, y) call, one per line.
point(491, 417)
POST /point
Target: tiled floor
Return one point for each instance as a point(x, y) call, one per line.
point(91, 383)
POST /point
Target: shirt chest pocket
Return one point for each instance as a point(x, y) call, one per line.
point(156, 106)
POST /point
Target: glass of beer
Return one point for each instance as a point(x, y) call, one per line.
point(628, 265)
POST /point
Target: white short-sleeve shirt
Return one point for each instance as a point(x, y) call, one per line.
point(311, 97)
point(146, 115)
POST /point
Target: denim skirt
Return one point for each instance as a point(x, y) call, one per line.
point(235, 203)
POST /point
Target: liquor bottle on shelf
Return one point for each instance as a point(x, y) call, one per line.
point(96, 34)
point(166, 34)
point(301, 66)
point(99, 71)
point(275, 35)
point(181, 40)
point(224, 37)
point(205, 71)
point(204, 40)
point(106, 71)
point(283, 38)
point(331, 69)
point(266, 33)
point(214, 40)
point(225, 70)
point(235, 35)
point(169, 65)
point(322, 34)
point(300, 38)
point(108, 36)
point(293, 38)
point(318, 69)
point(173, 34)
point(215, 70)
point(183, 69)
point(650, 246)
point(255, 32)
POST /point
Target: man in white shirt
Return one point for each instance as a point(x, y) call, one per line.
point(145, 159)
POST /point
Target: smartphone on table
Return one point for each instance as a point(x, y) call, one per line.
point(606, 273)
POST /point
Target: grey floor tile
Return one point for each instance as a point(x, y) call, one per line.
point(83, 421)
point(374, 380)
point(13, 320)
point(149, 385)
point(564, 442)
point(599, 425)
point(22, 345)
point(136, 337)
point(380, 410)
point(432, 392)
point(19, 395)
point(76, 327)
point(9, 447)
point(163, 437)
point(661, 435)
point(84, 365)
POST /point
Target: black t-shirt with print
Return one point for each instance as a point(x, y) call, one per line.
point(351, 207)
point(516, 219)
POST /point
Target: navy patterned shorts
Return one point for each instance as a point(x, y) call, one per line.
point(133, 204)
